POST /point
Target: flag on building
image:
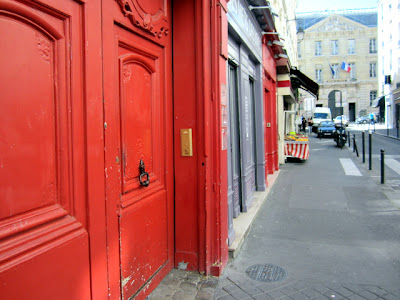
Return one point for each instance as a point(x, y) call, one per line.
point(332, 70)
point(346, 67)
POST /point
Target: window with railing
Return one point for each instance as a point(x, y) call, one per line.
point(372, 46)
point(335, 71)
point(352, 67)
point(334, 47)
point(318, 48)
point(352, 46)
point(372, 70)
point(318, 74)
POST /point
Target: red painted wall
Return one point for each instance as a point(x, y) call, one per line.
point(270, 113)
point(186, 114)
point(201, 180)
point(219, 223)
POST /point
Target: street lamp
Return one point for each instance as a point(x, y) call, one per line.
point(300, 35)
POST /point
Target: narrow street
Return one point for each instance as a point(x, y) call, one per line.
point(323, 234)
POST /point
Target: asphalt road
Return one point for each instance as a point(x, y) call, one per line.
point(379, 141)
point(330, 226)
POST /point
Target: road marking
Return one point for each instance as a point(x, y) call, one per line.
point(349, 167)
point(393, 164)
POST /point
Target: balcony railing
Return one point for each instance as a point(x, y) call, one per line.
point(333, 81)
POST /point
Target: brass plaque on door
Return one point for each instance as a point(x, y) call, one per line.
point(186, 142)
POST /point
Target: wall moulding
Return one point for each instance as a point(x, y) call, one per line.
point(150, 19)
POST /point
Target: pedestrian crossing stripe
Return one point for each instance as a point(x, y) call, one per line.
point(393, 164)
point(349, 167)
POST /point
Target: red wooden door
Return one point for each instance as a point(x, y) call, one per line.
point(44, 251)
point(138, 116)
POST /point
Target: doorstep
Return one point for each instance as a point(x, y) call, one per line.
point(242, 223)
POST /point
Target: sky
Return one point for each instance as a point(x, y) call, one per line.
point(321, 5)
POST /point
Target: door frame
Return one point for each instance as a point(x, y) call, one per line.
point(117, 23)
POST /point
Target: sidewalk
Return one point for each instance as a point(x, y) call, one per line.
point(392, 132)
point(186, 285)
point(312, 235)
point(320, 235)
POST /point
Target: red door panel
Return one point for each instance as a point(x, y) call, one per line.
point(28, 116)
point(144, 250)
point(138, 113)
point(42, 231)
point(140, 118)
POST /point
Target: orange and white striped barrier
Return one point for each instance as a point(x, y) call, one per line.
point(297, 149)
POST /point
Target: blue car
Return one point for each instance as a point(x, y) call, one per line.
point(326, 128)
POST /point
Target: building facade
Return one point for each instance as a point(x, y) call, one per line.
point(339, 51)
point(287, 99)
point(389, 60)
point(255, 49)
point(113, 170)
point(132, 139)
point(244, 111)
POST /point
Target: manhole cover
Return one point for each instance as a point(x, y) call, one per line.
point(266, 273)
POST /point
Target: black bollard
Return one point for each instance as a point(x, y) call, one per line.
point(363, 145)
point(370, 150)
point(348, 137)
point(382, 166)
point(355, 145)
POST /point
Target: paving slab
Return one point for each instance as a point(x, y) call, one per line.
point(335, 237)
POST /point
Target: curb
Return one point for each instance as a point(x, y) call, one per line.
point(389, 136)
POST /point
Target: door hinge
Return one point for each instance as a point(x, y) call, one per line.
point(214, 187)
point(105, 125)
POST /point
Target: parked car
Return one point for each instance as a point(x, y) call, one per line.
point(326, 128)
point(321, 114)
point(363, 120)
point(341, 120)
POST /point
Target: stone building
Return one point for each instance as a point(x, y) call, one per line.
point(339, 51)
point(389, 61)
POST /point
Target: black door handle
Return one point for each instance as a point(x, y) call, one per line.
point(144, 178)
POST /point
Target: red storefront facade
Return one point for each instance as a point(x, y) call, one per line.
point(114, 145)
point(112, 167)
point(270, 109)
point(272, 50)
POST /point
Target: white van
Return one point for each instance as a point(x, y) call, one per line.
point(321, 114)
